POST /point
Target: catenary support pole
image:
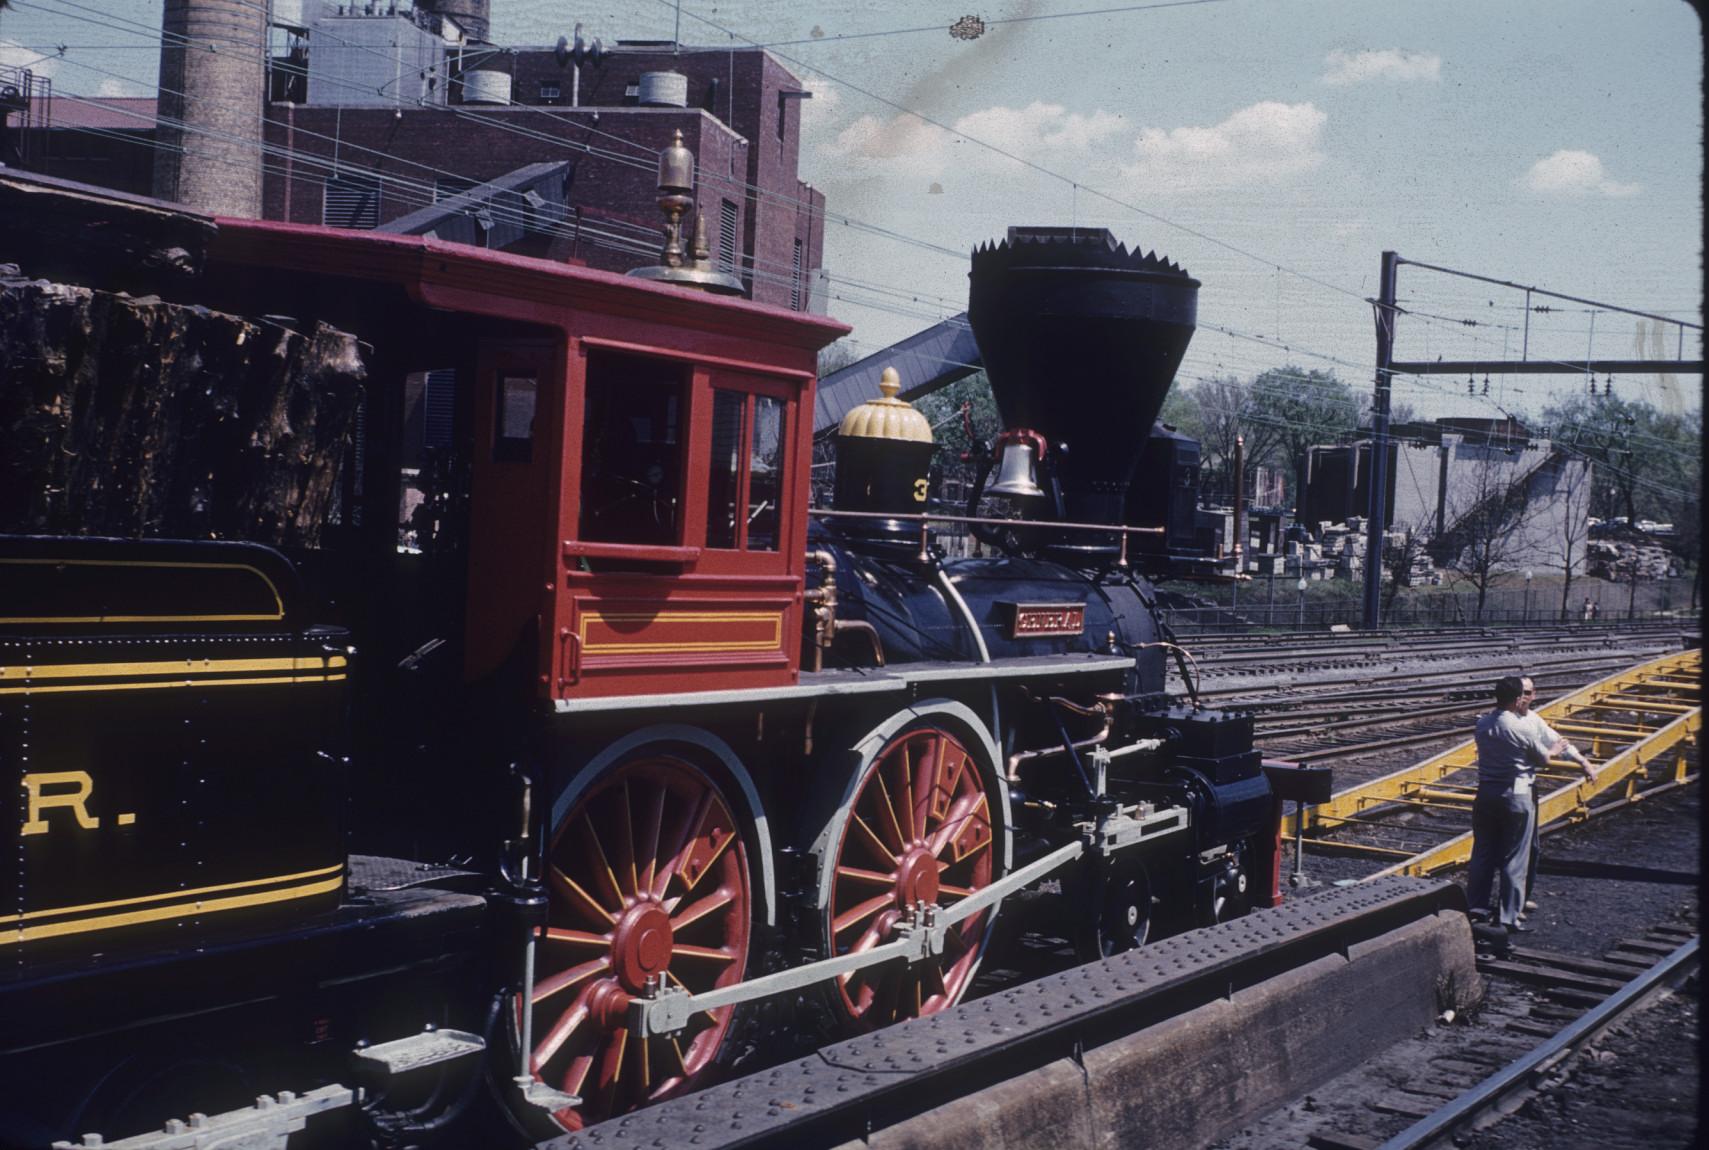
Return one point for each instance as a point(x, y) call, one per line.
point(1375, 525)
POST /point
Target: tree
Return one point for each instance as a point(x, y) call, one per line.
point(1222, 410)
point(1573, 483)
point(836, 356)
point(1303, 409)
point(1399, 560)
point(952, 411)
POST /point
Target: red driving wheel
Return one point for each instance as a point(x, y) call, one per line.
point(648, 883)
point(919, 830)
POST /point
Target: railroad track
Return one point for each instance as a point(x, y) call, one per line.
point(1638, 727)
point(1543, 1008)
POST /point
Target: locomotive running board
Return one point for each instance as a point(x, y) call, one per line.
point(1174, 1044)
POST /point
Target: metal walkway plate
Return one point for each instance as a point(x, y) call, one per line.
point(872, 1081)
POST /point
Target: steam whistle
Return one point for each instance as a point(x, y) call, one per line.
point(676, 197)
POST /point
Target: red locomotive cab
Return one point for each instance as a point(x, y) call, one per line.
point(645, 485)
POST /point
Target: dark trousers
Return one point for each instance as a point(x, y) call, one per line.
point(1502, 826)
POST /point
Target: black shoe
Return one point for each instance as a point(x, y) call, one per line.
point(1477, 915)
point(1518, 928)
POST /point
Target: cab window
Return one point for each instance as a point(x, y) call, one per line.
point(746, 476)
point(632, 450)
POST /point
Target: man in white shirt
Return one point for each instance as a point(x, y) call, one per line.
point(1511, 747)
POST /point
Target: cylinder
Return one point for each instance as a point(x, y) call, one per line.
point(213, 74)
point(663, 90)
point(486, 87)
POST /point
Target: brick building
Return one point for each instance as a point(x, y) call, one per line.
point(341, 150)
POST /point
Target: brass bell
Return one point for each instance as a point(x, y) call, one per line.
point(1015, 470)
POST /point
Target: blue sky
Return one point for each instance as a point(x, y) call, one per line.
point(1274, 148)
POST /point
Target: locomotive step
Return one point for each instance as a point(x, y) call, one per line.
point(429, 1048)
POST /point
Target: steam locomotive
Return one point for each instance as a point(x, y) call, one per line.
point(621, 754)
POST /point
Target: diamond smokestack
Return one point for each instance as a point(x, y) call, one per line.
point(1081, 339)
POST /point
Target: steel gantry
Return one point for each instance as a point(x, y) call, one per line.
point(1634, 726)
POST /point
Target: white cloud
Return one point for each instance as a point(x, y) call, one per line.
point(1266, 141)
point(1039, 125)
point(1381, 64)
point(1048, 134)
point(1574, 173)
point(113, 88)
point(15, 55)
point(898, 138)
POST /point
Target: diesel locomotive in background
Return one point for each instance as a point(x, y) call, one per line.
point(614, 754)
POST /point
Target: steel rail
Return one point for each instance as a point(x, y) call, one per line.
point(1550, 1054)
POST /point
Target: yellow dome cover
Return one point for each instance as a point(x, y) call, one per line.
point(887, 417)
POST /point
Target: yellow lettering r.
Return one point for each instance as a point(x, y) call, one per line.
point(75, 799)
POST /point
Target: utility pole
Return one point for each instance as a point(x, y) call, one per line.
point(1384, 307)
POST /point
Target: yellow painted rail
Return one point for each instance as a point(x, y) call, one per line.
point(1627, 725)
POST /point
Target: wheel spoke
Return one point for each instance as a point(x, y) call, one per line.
point(860, 913)
point(576, 937)
point(905, 789)
point(926, 770)
point(561, 1030)
point(856, 874)
point(889, 810)
point(626, 844)
point(717, 900)
point(869, 838)
point(602, 863)
point(611, 1066)
point(685, 843)
point(955, 891)
point(655, 828)
point(576, 1076)
point(683, 950)
point(551, 985)
point(573, 893)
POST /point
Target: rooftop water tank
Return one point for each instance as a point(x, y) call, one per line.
point(486, 87)
point(663, 90)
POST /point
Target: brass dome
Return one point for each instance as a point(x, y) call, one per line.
point(887, 417)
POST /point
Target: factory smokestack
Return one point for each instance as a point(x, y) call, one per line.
point(213, 57)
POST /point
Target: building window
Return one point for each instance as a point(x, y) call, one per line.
point(795, 279)
point(550, 93)
point(727, 236)
point(351, 202)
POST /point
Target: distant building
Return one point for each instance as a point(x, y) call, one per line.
point(376, 112)
point(1442, 474)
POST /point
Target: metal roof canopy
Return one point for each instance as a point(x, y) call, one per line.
point(926, 361)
